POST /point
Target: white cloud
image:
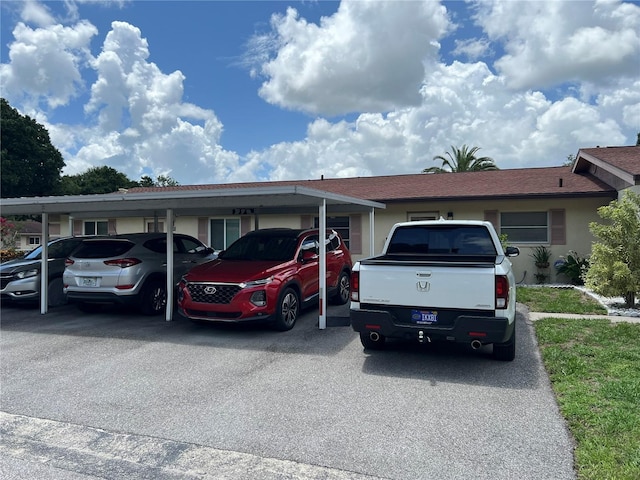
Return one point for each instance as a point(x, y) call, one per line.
point(551, 42)
point(46, 62)
point(462, 104)
point(34, 12)
point(368, 56)
point(473, 49)
point(378, 59)
point(160, 133)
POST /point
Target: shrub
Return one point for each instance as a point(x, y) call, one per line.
point(574, 268)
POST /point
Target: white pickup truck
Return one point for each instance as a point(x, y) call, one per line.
point(441, 280)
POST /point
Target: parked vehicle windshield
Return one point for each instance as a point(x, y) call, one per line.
point(276, 248)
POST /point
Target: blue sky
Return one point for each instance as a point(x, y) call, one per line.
point(219, 92)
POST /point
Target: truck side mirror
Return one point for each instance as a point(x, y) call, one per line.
point(512, 252)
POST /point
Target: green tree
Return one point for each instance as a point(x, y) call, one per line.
point(615, 258)
point(161, 181)
point(462, 160)
point(96, 180)
point(30, 164)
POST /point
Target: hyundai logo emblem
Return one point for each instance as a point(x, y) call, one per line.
point(210, 290)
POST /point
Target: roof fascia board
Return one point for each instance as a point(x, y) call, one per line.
point(580, 166)
point(148, 201)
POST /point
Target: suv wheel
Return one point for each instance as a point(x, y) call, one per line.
point(288, 310)
point(342, 289)
point(153, 297)
point(55, 295)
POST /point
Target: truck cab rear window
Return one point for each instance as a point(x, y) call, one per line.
point(435, 240)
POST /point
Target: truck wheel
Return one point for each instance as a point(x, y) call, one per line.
point(288, 309)
point(342, 290)
point(372, 340)
point(506, 352)
point(153, 298)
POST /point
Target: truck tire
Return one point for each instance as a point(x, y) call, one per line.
point(506, 352)
point(153, 297)
point(288, 310)
point(369, 343)
point(341, 296)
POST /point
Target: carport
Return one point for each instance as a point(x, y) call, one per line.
point(225, 200)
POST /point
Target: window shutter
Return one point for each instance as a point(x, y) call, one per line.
point(203, 230)
point(355, 234)
point(306, 221)
point(492, 216)
point(54, 229)
point(558, 227)
point(111, 226)
point(77, 227)
point(245, 224)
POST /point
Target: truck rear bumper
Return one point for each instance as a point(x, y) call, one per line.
point(465, 328)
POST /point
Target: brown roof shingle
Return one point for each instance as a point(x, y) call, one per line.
point(626, 159)
point(512, 183)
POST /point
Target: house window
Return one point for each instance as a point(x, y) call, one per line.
point(34, 240)
point(224, 231)
point(96, 227)
point(151, 225)
point(416, 216)
point(339, 224)
point(525, 227)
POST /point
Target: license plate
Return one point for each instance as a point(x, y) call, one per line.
point(424, 317)
point(89, 281)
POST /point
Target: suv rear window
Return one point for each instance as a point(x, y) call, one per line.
point(103, 248)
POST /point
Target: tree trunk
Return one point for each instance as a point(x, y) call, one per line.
point(630, 299)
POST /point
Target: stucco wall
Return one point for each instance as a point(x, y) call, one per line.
point(579, 213)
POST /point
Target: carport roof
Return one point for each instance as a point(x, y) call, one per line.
point(267, 199)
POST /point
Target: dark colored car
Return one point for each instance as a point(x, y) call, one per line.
point(20, 277)
point(130, 269)
point(267, 275)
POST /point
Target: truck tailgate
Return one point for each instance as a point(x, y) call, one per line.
point(459, 287)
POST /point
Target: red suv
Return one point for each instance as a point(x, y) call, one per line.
point(267, 275)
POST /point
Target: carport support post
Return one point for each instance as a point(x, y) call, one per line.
point(322, 320)
point(169, 307)
point(44, 266)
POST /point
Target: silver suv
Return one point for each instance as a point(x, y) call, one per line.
point(20, 278)
point(130, 269)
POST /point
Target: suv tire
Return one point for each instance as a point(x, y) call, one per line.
point(341, 296)
point(153, 297)
point(55, 295)
point(288, 310)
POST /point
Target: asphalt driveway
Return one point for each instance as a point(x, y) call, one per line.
point(120, 395)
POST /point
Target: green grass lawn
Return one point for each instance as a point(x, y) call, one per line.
point(594, 367)
point(559, 300)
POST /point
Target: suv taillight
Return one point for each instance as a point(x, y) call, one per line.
point(355, 286)
point(123, 262)
point(502, 291)
point(68, 262)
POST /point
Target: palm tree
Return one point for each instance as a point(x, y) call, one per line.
point(462, 160)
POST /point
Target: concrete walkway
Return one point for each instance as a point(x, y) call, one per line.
point(533, 316)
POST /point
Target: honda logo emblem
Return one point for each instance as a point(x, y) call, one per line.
point(423, 286)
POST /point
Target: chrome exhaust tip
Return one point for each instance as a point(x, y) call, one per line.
point(374, 336)
point(476, 344)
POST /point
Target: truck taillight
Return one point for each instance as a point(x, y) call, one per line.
point(355, 286)
point(502, 291)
